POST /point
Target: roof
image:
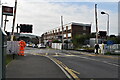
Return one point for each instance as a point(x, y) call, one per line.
point(80, 24)
point(29, 35)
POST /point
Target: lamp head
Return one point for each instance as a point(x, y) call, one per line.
point(103, 13)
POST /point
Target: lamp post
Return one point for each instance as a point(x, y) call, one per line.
point(107, 22)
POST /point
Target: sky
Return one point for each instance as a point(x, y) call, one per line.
point(44, 15)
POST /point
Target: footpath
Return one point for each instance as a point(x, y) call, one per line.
point(33, 67)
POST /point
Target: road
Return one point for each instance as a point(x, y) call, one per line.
point(84, 65)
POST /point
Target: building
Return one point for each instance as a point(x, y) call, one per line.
point(69, 32)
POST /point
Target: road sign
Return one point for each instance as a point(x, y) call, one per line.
point(7, 10)
point(109, 42)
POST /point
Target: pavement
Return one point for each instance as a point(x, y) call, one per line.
point(33, 66)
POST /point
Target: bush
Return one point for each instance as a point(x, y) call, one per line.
point(108, 53)
point(56, 41)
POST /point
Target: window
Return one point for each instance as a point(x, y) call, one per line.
point(84, 33)
point(64, 35)
point(84, 27)
point(69, 34)
point(69, 27)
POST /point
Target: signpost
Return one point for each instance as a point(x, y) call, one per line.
point(3, 46)
point(7, 11)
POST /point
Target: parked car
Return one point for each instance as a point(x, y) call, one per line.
point(29, 44)
point(34, 45)
point(41, 46)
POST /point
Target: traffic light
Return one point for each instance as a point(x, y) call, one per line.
point(25, 28)
point(102, 33)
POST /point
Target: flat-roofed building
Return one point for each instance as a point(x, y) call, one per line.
point(69, 31)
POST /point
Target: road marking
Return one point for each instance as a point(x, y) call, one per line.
point(106, 56)
point(75, 71)
point(70, 71)
point(98, 61)
point(64, 55)
point(56, 54)
point(110, 63)
point(46, 54)
point(61, 69)
point(80, 57)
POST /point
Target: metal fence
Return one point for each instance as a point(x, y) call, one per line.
point(12, 47)
point(57, 45)
point(115, 48)
point(60, 46)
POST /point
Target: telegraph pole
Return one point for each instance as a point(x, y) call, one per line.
point(96, 20)
point(12, 34)
point(62, 31)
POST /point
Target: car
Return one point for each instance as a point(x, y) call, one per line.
point(41, 46)
point(34, 45)
point(29, 44)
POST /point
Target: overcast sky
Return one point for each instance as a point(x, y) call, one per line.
point(45, 15)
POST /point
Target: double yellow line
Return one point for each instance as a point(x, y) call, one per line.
point(70, 71)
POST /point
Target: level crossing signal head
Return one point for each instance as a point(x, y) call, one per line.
point(26, 28)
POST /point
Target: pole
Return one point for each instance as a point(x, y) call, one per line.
point(12, 35)
point(62, 31)
point(5, 22)
point(96, 23)
point(108, 25)
point(17, 28)
point(1, 18)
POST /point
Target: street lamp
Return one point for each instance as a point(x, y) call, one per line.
point(107, 22)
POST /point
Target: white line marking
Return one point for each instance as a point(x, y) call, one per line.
point(99, 61)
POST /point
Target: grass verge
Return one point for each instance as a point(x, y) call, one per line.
point(9, 58)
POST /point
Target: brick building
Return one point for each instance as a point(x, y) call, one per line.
point(69, 31)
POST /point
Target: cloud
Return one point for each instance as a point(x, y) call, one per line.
point(46, 15)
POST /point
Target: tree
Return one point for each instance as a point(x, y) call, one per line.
point(115, 39)
point(79, 40)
